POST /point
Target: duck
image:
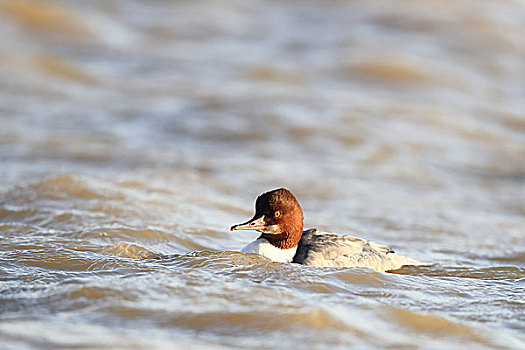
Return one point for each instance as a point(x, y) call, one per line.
point(279, 218)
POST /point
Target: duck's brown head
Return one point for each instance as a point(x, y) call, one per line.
point(278, 216)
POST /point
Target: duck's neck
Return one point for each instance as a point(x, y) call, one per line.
point(284, 240)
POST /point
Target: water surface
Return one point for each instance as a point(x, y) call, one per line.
point(134, 134)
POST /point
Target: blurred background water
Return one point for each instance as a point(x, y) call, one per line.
point(134, 133)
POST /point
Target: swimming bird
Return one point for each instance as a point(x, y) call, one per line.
point(279, 218)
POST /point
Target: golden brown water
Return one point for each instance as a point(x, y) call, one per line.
point(133, 134)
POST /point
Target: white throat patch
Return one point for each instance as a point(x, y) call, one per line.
point(262, 247)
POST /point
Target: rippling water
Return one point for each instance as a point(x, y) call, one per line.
point(134, 133)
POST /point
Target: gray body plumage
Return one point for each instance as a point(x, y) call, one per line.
point(331, 249)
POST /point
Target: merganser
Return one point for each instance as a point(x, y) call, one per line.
point(279, 218)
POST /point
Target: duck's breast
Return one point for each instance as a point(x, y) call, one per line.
point(262, 247)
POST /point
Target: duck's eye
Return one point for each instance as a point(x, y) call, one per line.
point(277, 214)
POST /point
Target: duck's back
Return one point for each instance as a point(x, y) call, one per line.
point(331, 249)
